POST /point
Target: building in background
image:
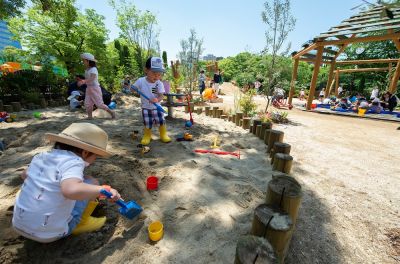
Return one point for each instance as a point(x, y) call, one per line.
point(6, 37)
point(209, 57)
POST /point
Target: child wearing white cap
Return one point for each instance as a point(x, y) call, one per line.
point(153, 88)
point(74, 102)
point(56, 199)
point(93, 94)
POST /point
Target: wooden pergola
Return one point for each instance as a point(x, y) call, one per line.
point(375, 24)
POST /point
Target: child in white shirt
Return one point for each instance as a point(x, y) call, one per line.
point(56, 199)
point(74, 102)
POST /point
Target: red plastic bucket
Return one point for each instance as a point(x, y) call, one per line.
point(313, 106)
point(152, 183)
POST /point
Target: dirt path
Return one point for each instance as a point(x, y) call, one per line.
point(347, 167)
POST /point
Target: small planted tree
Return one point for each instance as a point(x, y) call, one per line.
point(247, 104)
point(279, 23)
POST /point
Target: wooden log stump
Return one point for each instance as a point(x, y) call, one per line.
point(255, 124)
point(241, 122)
point(8, 108)
point(285, 192)
point(264, 127)
point(282, 162)
point(258, 130)
point(224, 117)
point(1, 106)
point(253, 249)
point(279, 147)
point(219, 113)
point(246, 122)
point(43, 103)
point(238, 117)
point(199, 110)
point(275, 225)
point(207, 109)
point(214, 111)
point(16, 106)
point(274, 136)
point(234, 118)
point(230, 118)
point(266, 136)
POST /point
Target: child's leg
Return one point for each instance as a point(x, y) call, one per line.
point(163, 128)
point(89, 106)
point(98, 101)
point(148, 123)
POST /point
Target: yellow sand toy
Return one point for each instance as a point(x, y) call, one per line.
point(216, 141)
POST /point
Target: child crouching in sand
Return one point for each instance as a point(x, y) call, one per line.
point(56, 199)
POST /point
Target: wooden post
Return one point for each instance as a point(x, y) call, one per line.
point(8, 108)
point(285, 192)
point(230, 118)
point(274, 136)
point(199, 110)
point(219, 113)
point(234, 118)
point(224, 117)
point(337, 83)
point(264, 127)
point(258, 130)
point(330, 79)
point(238, 117)
point(275, 225)
point(314, 79)
point(241, 122)
point(255, 124)
point(395, 79)
point(266, 136)
point(207, 109)
point(16, 106)
point(282, 162)
point(293, 81)
point(253, 249)
point(390, 66)
point(279, 147)
point(246, 122)
point(214, 111)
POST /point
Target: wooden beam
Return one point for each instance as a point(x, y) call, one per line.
point(395, 41)
point(362, 70)
point(357, 40)
point(390, 72)
point(330, 79)
point(293, 81)
point(354, 26)
point(304, 51)
point(395, 79)
point(366, 30)
point(313, 60)
point(314, 79)
point(372, 61)
point(336, 83)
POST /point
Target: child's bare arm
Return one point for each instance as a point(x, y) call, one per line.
point(24, 174)
point(75, 189)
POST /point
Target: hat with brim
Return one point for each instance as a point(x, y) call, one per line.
point(73, 95)
point(85, 136)
point(88, 56)
point(156, 64)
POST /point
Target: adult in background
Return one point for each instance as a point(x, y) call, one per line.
point(389, 101)
point(77, 85)
point(217, 81)
point(202, 82)
point(126, 84)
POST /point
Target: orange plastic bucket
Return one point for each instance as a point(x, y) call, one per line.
point(361, 111)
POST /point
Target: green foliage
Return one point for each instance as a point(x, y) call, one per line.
point(165, 59)
point(247, 105)
point(10, 8)
point(279, 116)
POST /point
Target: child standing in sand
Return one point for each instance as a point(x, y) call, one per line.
point(93, 94)
point(56, 199)
point(153, 88)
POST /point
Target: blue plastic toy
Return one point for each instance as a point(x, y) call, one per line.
point(128, 209)
point(159, 107)
point(112, 105)
point(188, 124)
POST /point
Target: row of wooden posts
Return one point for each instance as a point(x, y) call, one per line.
point(17, 107)
point(274, 221)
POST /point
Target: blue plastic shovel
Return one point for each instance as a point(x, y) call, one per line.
point(159, 107)
point(128, 209)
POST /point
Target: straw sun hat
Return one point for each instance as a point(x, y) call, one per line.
point(88, 56)
point(85, 136)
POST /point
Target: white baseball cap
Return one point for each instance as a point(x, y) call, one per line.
point(88, 56)
point(155, 64)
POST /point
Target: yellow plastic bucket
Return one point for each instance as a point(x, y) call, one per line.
point(361, 112)
point(156, 231)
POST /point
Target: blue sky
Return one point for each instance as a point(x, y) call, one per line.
point(228, 26)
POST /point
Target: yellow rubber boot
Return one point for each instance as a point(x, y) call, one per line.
point(146, 136)
point(163, 134)
point(89, 223)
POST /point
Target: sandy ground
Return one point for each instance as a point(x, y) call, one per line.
point(347, 167)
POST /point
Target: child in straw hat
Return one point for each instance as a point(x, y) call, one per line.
point(56, 199)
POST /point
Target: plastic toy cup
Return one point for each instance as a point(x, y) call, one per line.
point(152, 183)
point(156, 231)
point(37, 114)
point(361, 112)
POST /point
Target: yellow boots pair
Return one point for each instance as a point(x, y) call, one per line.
point(89, 223)
point(147, 135)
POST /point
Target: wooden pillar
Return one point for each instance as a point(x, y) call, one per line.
point(390, 66)
point(224, 117)
point(330, 79)
point(294, 78)
point(279, 147)
point(258, 130)
point(255, 124)
point(314, 79)
point(285, 193)
point(395, 79)
point(199, 110)
point(16, 106)
point(238, 117)
point(219, 113)
point(246, 122)
point(337, 83)
point(283, 162)
point(264, 126)
point(234, 118)
point(207, 109)
point(275, 225)
point(266, 136)
point(253, 249)
point(214, 111)
point(274, 136)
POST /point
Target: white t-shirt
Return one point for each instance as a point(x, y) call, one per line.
point(150, 90)
point(322, 93)
point(41, 210)
point(74, 103)
point(374, 93)
point(340, 89)
point(88, 72)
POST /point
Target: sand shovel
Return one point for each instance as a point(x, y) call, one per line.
point(128, 209)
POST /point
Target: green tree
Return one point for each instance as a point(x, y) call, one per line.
point(165, 59)
point(10, 8)
point(61, 31)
